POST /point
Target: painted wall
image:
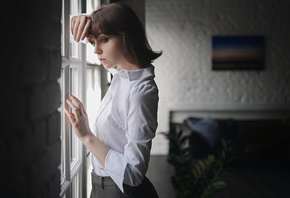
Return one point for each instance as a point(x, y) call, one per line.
point(183, 30)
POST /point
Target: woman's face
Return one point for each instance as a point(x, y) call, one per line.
point(109, 49)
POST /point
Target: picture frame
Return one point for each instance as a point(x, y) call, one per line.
point(238, 52)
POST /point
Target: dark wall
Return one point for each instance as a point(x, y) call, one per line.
point(30, 94)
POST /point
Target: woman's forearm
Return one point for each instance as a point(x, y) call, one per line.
point(96, 147)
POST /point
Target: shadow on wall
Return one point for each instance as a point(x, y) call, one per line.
point(30, 95)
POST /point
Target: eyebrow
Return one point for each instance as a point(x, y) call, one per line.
point(97, 35)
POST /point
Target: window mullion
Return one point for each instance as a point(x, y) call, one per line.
point(82, 94)
point(67, 90)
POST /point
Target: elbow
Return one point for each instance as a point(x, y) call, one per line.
point(134, 178)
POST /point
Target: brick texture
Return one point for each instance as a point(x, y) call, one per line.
point(183, 30)
point(30, 94)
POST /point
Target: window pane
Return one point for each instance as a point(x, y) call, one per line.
point(62, 29)
point(73, 12)
point(75, 187)
point(91, 56)
point(74, 91)
point(93, 93)
point(92, 5)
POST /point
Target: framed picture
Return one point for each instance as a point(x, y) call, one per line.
point(238, 52)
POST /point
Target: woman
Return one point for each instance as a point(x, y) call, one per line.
point(127, 118)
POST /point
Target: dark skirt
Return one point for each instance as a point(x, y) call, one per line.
point(105, 187)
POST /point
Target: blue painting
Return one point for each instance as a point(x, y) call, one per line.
point(238, 52)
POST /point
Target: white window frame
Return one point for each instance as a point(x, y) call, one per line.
point(75, 165)
point(73, 181)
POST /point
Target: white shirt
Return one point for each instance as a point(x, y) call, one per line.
point(126, 123)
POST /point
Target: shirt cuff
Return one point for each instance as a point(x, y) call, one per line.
point(116, 170)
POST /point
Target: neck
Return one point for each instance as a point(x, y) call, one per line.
point(125, 65)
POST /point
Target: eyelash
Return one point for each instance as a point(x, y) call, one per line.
point(104, 40)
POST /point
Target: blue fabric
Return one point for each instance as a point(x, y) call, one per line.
point(207, 128)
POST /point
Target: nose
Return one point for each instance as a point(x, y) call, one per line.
point(97, 49)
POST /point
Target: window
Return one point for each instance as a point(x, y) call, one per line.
point(80, 75)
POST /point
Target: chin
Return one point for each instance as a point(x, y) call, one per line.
point(108, 66)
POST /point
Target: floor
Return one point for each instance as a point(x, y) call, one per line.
point(159, 173)
point(257, 183)
point(261, 180)
point(265, 178)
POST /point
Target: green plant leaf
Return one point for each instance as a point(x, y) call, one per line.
point(223, 154)
point(201, 164)
point(219, 185)
point(198, 169)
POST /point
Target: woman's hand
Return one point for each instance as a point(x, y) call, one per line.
point(80, 123)
point(80, 27)
point(78, 118)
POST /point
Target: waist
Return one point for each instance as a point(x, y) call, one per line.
point(102, 180)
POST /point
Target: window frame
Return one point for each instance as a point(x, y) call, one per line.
point(75, 174)
point(73, 171)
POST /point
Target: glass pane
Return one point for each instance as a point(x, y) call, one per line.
point(75, 187)
point(74, 45)
point(62, 29)
point(74, 91)
point(89, 170)
point(92, 5)
point(91, 56)
point(93, 93)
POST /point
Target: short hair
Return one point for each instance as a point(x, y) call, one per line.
point(120, 19)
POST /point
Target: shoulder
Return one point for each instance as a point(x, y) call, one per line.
point(144, 89)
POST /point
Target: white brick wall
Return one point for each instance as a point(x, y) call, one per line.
point(183, 30)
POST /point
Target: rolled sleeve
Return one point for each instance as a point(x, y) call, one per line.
point(131, 166)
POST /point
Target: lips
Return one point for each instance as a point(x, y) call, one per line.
point(102, 59)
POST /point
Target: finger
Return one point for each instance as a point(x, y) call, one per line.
point(70, 116)
point(75, 29)
point(78, 104)
point(59, 109)
point(83, 109)
point(82, 23)
point(74, 99)
point(74, 108)
point(72, 24)
point(86, 29)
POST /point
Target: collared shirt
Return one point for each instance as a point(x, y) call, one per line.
point(126, 123)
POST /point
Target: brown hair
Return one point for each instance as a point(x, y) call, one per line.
point(119, 19)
